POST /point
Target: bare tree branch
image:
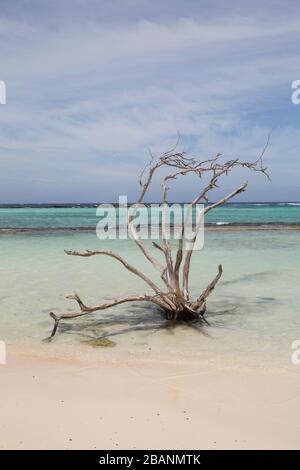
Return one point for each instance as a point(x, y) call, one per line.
point(116, 256)
point(175, 302)
point(202, 298)
point(105, 306)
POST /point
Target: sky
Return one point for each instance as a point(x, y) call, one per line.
point(93, 85)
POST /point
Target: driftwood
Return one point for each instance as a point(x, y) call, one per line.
point(174, 300)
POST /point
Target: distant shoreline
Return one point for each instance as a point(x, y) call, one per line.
point(75, 205)
point(226, 227)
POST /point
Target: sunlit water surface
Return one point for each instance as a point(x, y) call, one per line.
point(254, 311)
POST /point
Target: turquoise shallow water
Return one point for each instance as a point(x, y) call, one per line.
point(80, 217)
point(255, 310)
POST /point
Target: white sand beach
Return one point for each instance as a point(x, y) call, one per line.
point(57, 398)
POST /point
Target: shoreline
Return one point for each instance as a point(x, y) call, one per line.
point(83, 354)
point(91, 205)
point(114, 401)
point(223, 227)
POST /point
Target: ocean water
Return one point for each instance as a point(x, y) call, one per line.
point(85, 217)
point(254, 311)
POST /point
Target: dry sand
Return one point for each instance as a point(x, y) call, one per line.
point(55, 399)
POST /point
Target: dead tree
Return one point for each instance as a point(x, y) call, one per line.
point(174, 300)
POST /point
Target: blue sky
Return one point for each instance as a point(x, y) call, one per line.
point(91, 85)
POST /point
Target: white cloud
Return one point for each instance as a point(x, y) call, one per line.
point(89, 96)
